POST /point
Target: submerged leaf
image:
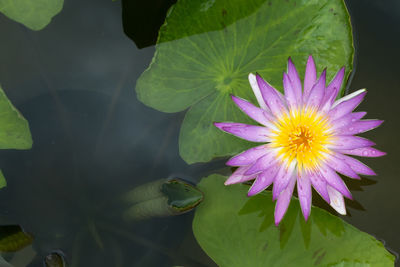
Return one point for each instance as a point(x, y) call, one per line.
point(206, 49)
point(161, 198)
point(181, 195)
point(34, 14)
point(13, 238)
point(238, 231)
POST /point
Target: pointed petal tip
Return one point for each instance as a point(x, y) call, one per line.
point(227, 182)
point(250, 194)
point(218, 125)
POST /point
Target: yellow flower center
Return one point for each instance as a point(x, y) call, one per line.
point(301, 136)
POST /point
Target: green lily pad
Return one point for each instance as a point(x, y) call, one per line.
point(14, 129)
point(235, 230)
point(206, 49)
point(34, 14)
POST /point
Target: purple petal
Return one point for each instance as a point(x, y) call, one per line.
point(310, 76)
point(337, 201)
point(349, 142)
point(359, 127)
point(248, 132)
point(357, 165)
point(295, 80)
point(263, 180)
point(346, 104)
point(238, 176)
point(257, 92)
point(282, 178)
point(363, 152)
point(332, 90)
point(317, 92)
point(263, 163)
point(283, 201)
point(291, 98)
point(318, 182)
point(347, 119)
point(248, 157)
point(304, 193)
point(259, 115)
point(334, 180)
point(341, 167)
point(271, 96)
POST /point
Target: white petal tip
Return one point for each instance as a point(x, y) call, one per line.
point(339, 207)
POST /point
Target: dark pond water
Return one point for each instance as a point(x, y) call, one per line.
point(74, 82)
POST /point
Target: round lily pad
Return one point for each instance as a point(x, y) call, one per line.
point(235, 230)
point(206, 49)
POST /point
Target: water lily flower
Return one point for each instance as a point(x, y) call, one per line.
point(307, 136)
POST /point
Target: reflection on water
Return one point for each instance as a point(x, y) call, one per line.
point(66, 189)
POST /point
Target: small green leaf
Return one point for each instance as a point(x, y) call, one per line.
point(235, 230)
point(14, 129)
point(206, 49)
point(181, 195)
point(3, 182)
point(34, 14)
point(13, 238)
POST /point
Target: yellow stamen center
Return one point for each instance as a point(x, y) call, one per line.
point(301, 136)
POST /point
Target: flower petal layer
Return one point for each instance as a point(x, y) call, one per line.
point(349, 142)
point(336, 200)
point(262, 163)
point(304, 193)
point(271, 96)
point(359, 127)
point(283, 200)
point(263, 180)
point(317, 92)
point(285, 173)
point(248, 157)
point(357, 165)
point(346, 104)
point(259, 115)
point(257, 92)
point(341, 166)
point(310, 77)
point(295, 81)
point(238, 176)
point(332, 90)
point(248, 132)
point(334, 180)
point(319, 184)
point(363, 152)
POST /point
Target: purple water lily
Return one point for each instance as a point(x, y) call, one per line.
point(307, 137)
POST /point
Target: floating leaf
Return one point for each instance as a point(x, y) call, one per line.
point(34, 14)
point(3, 181)
point(13, 238)
point(206, 49)
point(181, 195)
point(235, 230)
point(14, 129)
point(165, 197)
